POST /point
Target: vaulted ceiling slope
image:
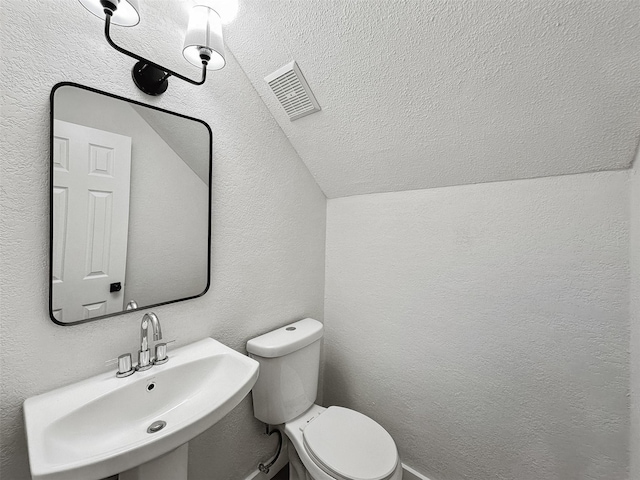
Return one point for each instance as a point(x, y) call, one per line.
point(427, 93)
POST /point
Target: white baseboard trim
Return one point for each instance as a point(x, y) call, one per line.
point(409, 473)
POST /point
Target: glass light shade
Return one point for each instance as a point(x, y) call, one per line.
point(126, 15)
point(227, 9)
point(205, 30)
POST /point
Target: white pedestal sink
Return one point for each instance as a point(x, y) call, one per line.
point(104, 425)
point(170, 466)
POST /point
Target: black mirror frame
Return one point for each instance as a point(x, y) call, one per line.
point(51, 171)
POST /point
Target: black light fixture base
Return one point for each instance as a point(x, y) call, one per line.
point(150, 79)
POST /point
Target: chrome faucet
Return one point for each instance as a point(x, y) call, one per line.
point(144, 355)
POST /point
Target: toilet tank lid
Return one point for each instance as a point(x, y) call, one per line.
point(286, 339)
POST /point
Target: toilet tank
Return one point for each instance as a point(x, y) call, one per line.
point(289, 360)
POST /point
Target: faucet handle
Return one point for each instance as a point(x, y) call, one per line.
point(161, 353)
point(125, 367)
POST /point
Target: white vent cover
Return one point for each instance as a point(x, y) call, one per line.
point(292, 91)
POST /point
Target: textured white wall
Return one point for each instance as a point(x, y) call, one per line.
point(167, 229)
point(634, 252)
point(486, 326)
point(268, 221)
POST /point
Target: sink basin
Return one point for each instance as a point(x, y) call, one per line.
point(98, 427)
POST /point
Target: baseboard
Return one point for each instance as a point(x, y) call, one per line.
point(279, 465)
point(409, 473)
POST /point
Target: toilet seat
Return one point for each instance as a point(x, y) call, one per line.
point(350, 446)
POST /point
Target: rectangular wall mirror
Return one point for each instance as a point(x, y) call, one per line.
point(130, 205)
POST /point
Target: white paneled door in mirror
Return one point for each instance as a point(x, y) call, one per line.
point(91, 220)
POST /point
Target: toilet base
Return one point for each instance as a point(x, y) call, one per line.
point(296, 468)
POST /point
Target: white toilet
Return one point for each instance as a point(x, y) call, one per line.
point(328, 443)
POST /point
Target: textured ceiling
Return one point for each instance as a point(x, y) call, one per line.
point(427, 93)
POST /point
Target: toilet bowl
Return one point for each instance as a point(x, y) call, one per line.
point(333, 443)
point(338, 443)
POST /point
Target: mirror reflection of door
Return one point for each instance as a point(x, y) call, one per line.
point(91, 212)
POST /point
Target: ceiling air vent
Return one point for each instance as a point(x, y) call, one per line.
point(292, 91)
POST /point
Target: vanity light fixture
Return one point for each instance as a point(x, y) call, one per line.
point(203, 45)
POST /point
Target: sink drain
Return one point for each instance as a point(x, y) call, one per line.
point(156, 426)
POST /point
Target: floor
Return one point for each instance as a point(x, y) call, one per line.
point(282, 474)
